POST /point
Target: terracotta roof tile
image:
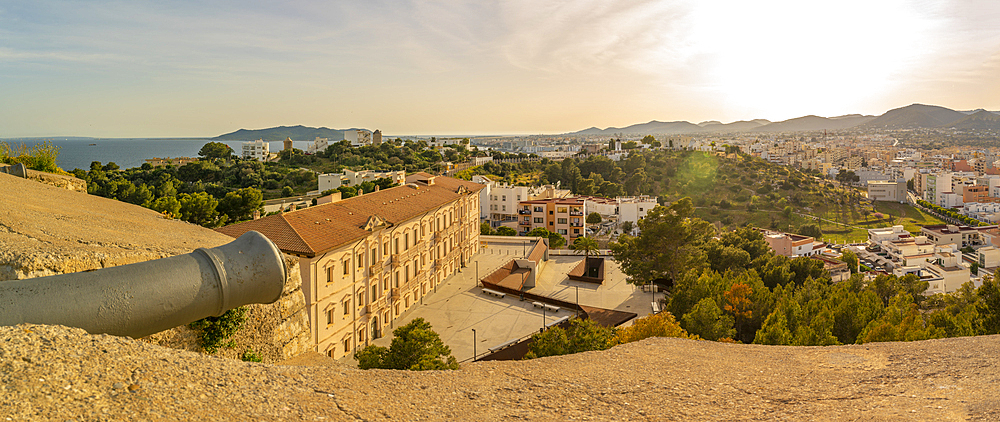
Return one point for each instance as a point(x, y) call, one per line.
point(320, 228)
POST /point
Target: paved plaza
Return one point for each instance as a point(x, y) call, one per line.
point(458, 306)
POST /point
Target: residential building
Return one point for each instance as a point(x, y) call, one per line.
point(499, 202)
point(367, 259)
point(634, 208)
point(565, 216)
point(887, 234)
point(946, 274)
point(793, 245)
point(910, 251)
point(256, 150)
point(884, 190)
point(329, 181)
point(959, 235)
point(358, 137)
point(318, 145)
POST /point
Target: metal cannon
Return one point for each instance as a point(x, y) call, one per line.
point(140, 299)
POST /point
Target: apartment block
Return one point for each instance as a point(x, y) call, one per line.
point(565, 216)
point(256, 150)
point(367, 259)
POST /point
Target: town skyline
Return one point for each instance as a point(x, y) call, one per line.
point(191, 70)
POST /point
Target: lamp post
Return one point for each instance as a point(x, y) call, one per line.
point(542, 330)
point(577, 300)
point(477, 273)
point(474, 345)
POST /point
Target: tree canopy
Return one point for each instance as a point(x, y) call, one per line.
point(215, 150)
point(415, 347)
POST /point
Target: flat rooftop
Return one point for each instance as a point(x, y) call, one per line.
point(459, 306)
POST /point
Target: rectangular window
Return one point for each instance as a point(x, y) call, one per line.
point(374, 255)
point(396, 245)
point(407, 269)
point(505, 208)
point(374, 294)
point(561, 210)
point(406, 241)
point(347, 345)
point(347, 266)
point(539, 209)
point(361, 298)
point(561, 220)
point(361, 260)
point(562, 231)
point(329, 274)
point(329, 316)
point(347, 306)
point(504, 198)
point(385, 248)
point(539, 220)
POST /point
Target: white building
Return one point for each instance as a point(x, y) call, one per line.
point(499, 202)
point(329, 181)
point(257, 150)
point(318, 145)
point(884, 190)
point(634, 208)
point(887, 234)
point(946, 272)
point(358, 137)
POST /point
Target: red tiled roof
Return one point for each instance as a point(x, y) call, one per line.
point(320, 228)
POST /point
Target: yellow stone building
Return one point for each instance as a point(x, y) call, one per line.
point(367, 259)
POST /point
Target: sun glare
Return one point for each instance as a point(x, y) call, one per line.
point(784, 58)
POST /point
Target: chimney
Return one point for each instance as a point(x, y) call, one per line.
point(376, 188)
point(256, 214)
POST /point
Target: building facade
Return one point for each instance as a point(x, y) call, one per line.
point(329, 181)
point(884, 190)
point(256, 150)
point(367, 259)
point(565, 216)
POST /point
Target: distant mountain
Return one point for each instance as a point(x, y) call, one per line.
point(980, 120)
point(813, 123)
point(654, 126)
point(739, 126)
point(710, 123)
point(280, 133)
point(914, 116)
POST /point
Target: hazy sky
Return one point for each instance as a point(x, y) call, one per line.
point(202, 68)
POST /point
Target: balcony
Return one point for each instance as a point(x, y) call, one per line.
point(577, 213)
point(576, 224)
point(524, 212)
point(396, 293)
point(524, 223)
point(374, 270)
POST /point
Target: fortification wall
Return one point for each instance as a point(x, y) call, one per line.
point(46, 230)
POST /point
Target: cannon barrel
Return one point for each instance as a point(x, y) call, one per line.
point(140, 299)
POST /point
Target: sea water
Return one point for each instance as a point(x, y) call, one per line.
point(127, 153)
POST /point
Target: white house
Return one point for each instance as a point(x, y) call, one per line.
point(329, 181)
point(318, 145)
point(257, 150)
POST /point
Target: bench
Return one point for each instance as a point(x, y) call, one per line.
point(500, 295)
point(656, 307)
point(537, 304)
point(552, 308)
point(499, 347)
point(557, 322)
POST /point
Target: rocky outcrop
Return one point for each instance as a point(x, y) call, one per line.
point(46, 230)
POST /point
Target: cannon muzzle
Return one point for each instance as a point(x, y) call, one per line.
point(140, 299)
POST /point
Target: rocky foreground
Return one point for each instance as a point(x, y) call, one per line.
point(58, 373)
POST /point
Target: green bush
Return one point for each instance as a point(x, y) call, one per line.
point(216, 330)
point(250, 356)
point(40, 157)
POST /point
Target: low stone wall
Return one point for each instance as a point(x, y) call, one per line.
point(67, 182)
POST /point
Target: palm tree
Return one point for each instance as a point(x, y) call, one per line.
point(585, 244)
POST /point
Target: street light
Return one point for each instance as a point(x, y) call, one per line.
point(577, 300)
point(474, 345)
point(542, 330)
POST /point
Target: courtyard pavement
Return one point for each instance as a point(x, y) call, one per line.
point(458, 306)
